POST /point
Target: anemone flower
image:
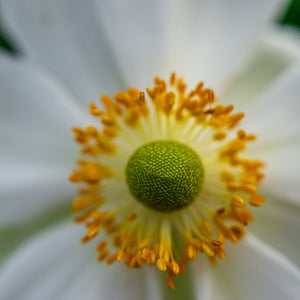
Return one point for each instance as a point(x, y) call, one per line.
point(187, 169)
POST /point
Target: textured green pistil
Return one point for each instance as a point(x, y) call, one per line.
point(165, 175)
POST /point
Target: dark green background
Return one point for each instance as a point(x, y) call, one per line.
point(292, 17)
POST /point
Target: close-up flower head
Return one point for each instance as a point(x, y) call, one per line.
point(149, 149)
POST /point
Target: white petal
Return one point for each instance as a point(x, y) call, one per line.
point(27, 192)
point(278, 50)
point(137, 31)
point(277, 223)
point(37, 148)
point(275, 115)
point(55, 265)
point(202, 280)
point(199, 39)
point(205, 40)
point(63, 37)
point(275, 118)
point(252, 270)
point(212, 39)
point(282, 171)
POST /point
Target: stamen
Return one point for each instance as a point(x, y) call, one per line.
point(163, 166)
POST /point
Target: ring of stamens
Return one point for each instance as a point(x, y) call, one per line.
point(137, 234)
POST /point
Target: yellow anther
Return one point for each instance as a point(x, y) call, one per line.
point(142, 97)
point(151, 257)
point(93, 232)
point(251, 137)
point(101, 246)
point(132, 261)
point(133, 92)
point(181, 86)
point(241, 134)
point(103, 255)
point(169, 102)
point(256, 200)
point(174, 267)
point(86, 239)
point(234, 120)
point(216, 243)
point(237, 201)
point(219, 135)
point(139, 260)
point(121, 255)
point(122, 99)
point(221, 253)
point(191, 252)
point(145, 253)
point(161, 84)
point(208, 250)
point(249, 188)
point(83, 202)
point(248, 178)
point(233, 186)
point(91, 131)
point(112, 258)
point(95, 111)
point(161, 265)
point(173, 78)
point(227, 109)
point(80, 135)
point(108, 121)
point(109, 105)
point(94, 174)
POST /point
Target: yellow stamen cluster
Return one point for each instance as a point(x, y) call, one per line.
point(136, 234)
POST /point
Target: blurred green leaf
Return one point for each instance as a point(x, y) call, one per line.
point(5, 44)
point(292, 15)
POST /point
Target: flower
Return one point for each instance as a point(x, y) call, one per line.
point(37, 154)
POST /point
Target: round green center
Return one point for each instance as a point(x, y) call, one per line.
point(164, 175)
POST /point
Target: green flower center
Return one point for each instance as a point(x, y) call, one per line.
point(165, 175)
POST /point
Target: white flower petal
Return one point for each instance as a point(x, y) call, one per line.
point(214, 38)
point(277, 223)
point(282, 172)
point(205, 40)
point(278, 49)
point(275, 115)
point(55, 265)
point(275, 118)
point(200, 39)
point(64, 38)
point(37, 149)
point(27, 192)
point(252, 270)
point(137, 32)
point(202, 280)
